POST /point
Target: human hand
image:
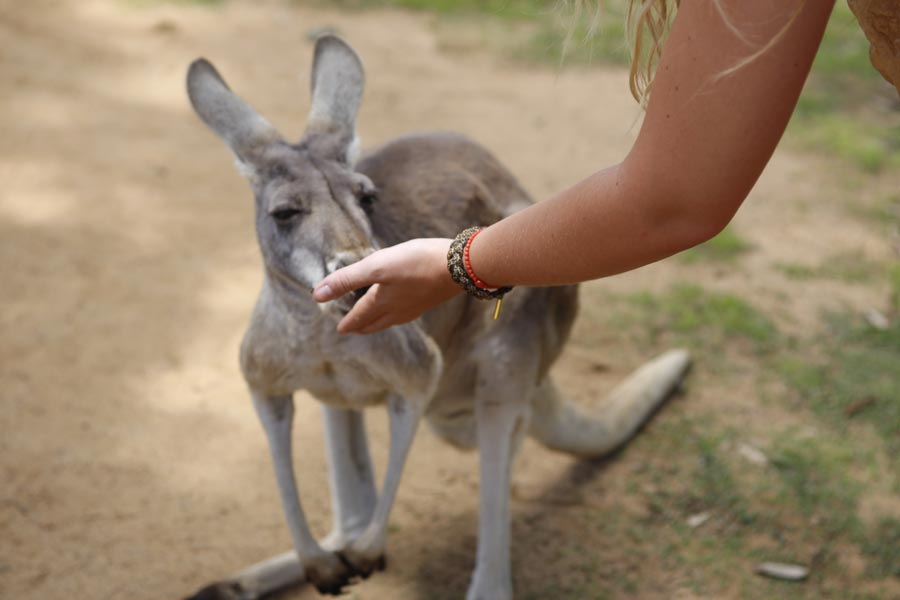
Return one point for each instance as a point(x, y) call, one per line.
point(406, 280)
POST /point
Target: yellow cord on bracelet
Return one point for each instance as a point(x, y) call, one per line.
point(497, 308)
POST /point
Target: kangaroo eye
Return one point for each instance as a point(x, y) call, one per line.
point(367, 201)
point(285, 215)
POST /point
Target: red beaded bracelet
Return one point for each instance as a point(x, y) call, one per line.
point(468, 264)
point(460, 267)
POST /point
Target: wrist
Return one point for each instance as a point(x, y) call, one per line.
point(440, 276)
point(476, 262)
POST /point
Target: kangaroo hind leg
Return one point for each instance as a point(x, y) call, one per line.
point(502, 407)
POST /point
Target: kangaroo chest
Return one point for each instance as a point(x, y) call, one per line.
point(344, 382)
point(281, 354)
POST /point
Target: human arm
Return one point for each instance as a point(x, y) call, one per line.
point(704, 142)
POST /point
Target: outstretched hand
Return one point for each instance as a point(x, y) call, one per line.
point(406, 280)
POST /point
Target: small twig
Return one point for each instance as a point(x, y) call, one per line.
point(859, 405)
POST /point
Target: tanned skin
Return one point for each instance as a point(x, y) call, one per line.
point(708, 134)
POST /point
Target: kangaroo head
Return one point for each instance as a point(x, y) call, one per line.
point(311, 206)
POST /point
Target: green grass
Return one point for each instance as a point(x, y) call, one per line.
point(839, 112)
point(531, 31)
point(714, 485)
point(804, 505)
point(885, 210)
point(797, 271)
point(725, 247)
point(842, 73)
point(894, 283)
point(562, 42)
point(815, 479)
point(853, 137)
point(847, 268)
point(800, 508)
point(842, 76)
point(854, 362)
point(702, 319)
point(881, 546)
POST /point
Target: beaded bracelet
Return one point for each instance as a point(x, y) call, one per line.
point(460, 268)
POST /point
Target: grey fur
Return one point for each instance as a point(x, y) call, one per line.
point(478, 382)
point(243, 128)
point(337, 86)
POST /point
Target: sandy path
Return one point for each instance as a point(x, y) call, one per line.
point(131, 462)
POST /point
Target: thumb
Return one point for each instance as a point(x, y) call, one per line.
point(352, 277)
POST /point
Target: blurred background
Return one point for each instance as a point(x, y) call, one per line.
point(131, 462)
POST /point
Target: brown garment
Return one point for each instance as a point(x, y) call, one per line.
point(880, 20)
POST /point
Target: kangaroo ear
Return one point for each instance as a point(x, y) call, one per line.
point(337, 88)
point(242, 128)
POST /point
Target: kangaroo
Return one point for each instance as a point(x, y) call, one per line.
point(479, 383)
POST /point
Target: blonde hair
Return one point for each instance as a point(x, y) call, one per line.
point(647, 24)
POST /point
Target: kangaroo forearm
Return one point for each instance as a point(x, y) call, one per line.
point(603, 225)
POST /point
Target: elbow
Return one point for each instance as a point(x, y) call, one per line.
point(700, 228)
point(687, 221)
point(680, 212)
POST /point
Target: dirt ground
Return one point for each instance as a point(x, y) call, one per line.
point(131, 462)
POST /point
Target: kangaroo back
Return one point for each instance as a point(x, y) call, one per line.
point(437, 184)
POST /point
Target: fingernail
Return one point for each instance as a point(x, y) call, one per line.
point(322, 293)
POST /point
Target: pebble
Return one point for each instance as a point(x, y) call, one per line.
point(753, 454)
point(697, 520)
point(877, 320)
point(783, 571)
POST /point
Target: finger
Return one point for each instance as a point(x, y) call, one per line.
point(349, 325)
point(364, 312)
point(378, 324)
point(352, 277)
